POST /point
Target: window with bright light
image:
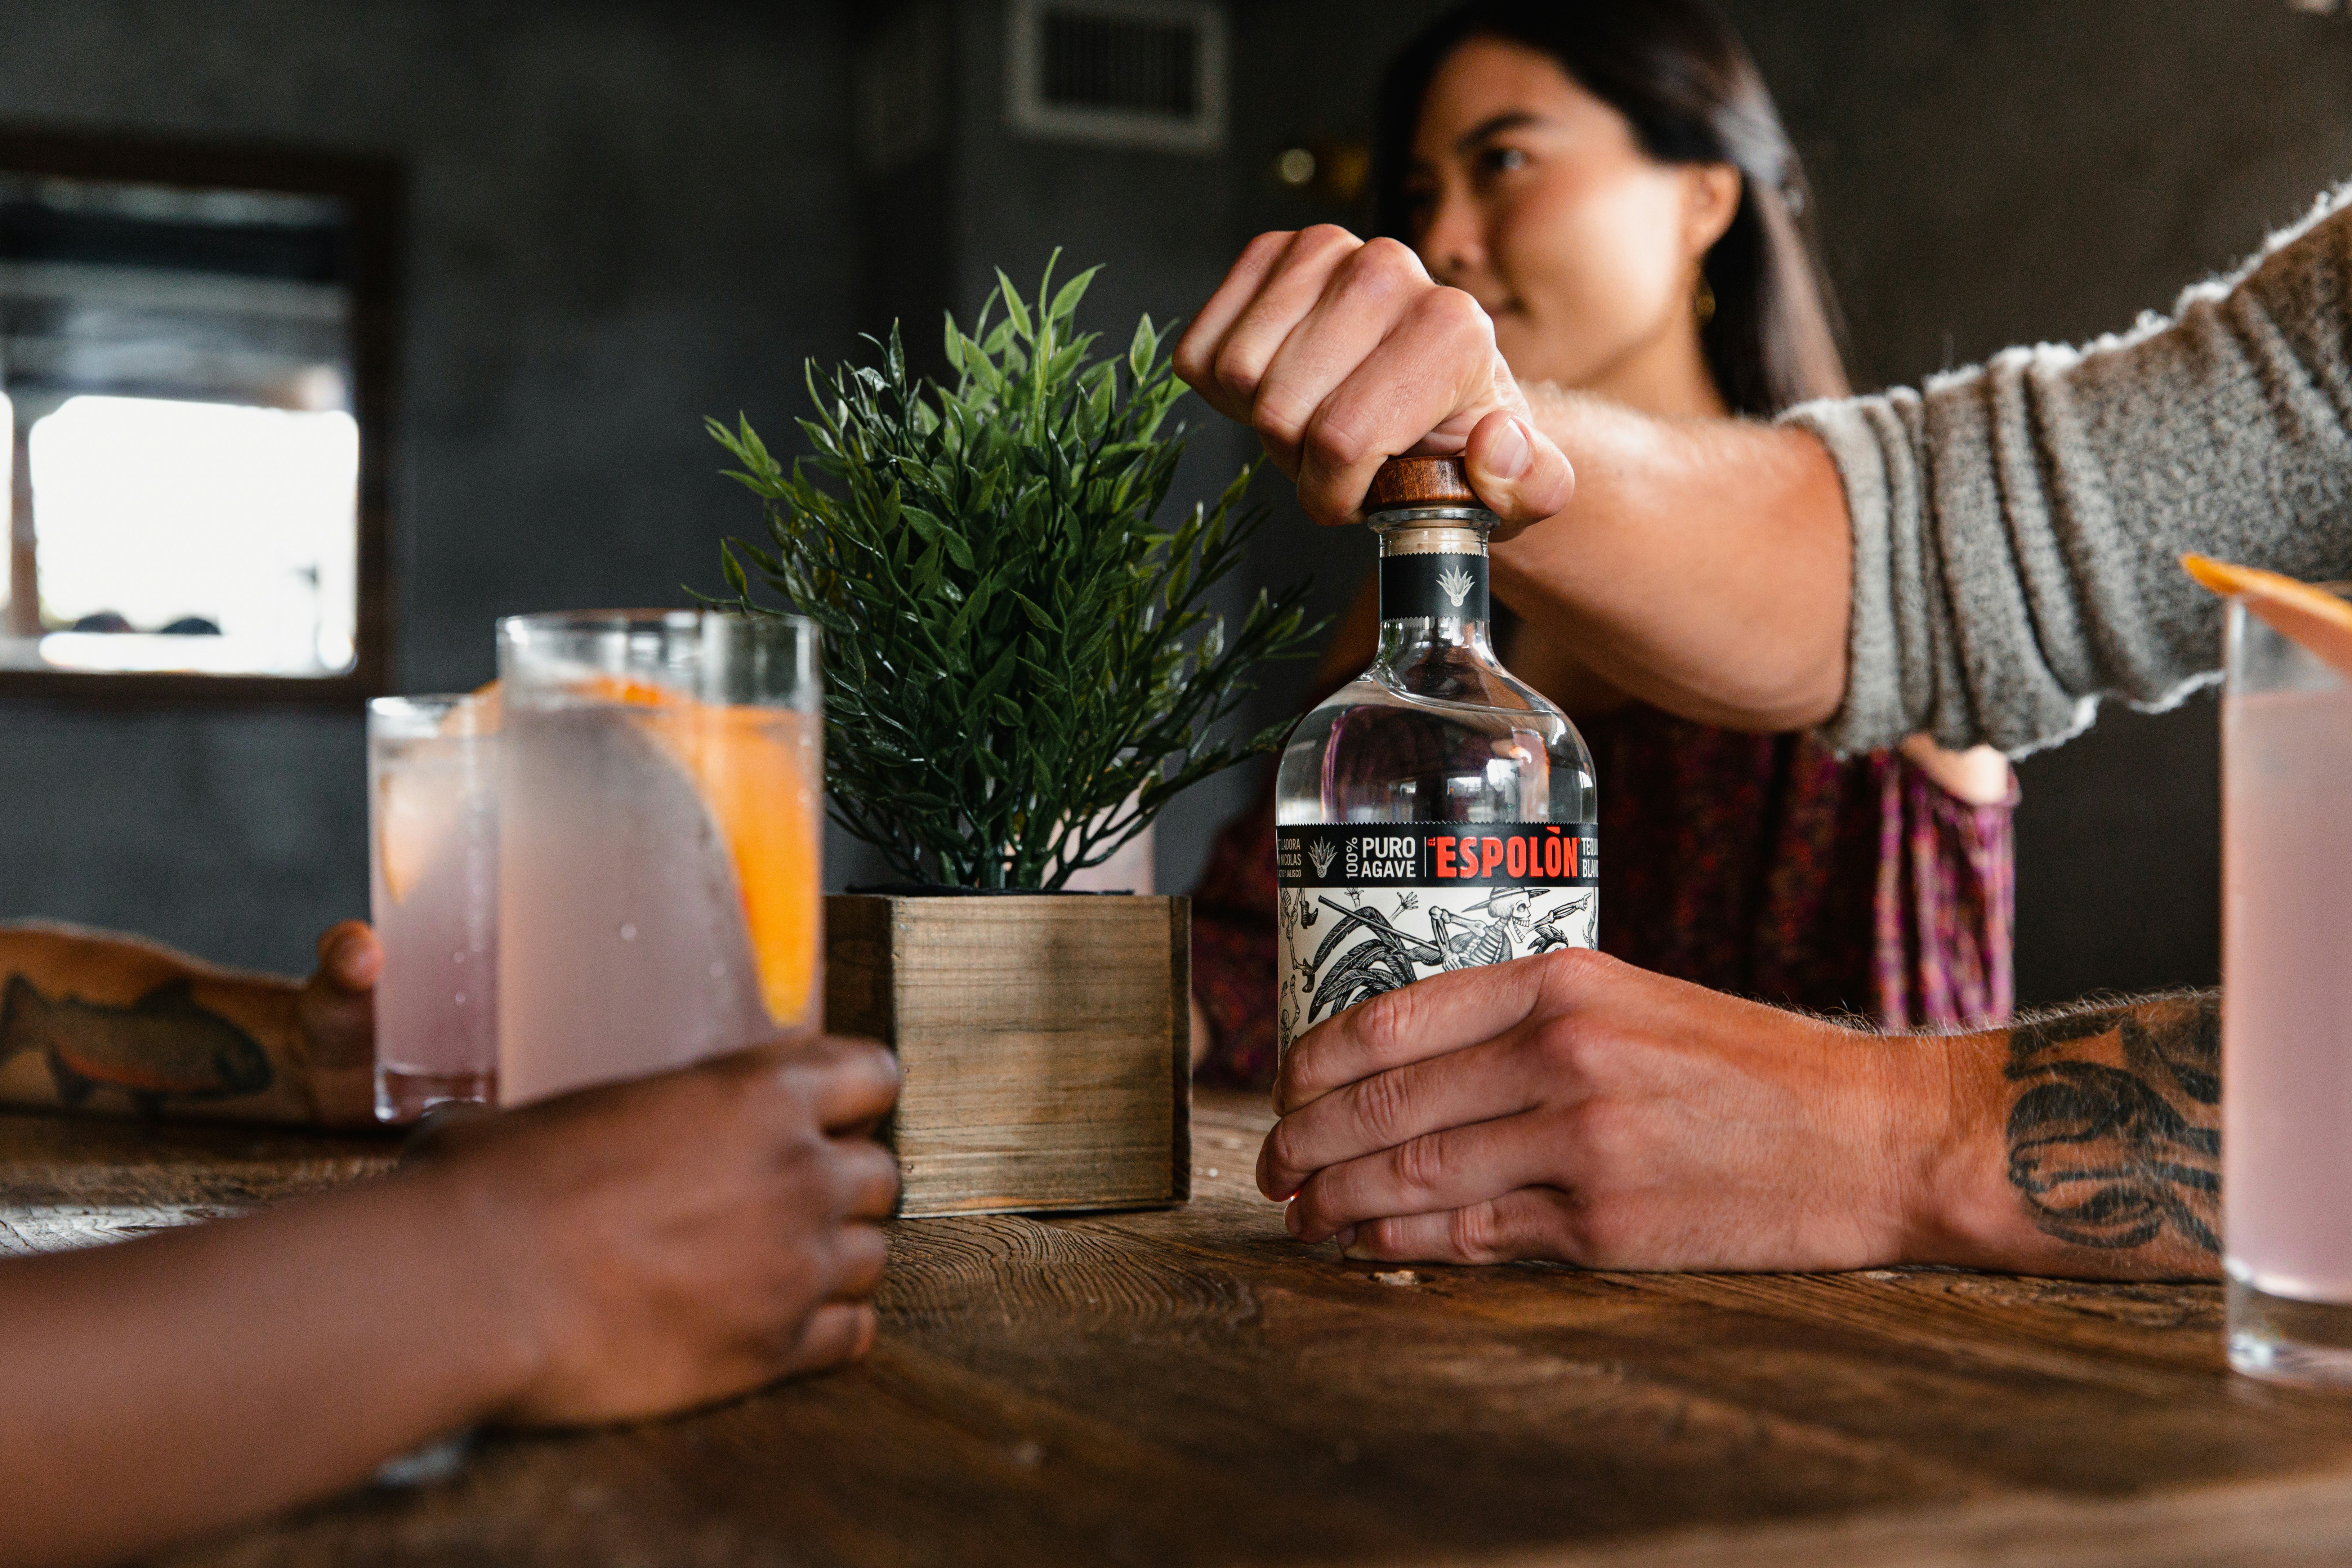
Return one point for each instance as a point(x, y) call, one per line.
point(235, 524)
point(195, 368)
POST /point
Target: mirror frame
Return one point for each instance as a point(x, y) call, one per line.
point(372, 188)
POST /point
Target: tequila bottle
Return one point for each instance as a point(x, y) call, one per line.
point(1435, 813)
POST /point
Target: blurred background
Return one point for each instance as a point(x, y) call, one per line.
point(615, 217)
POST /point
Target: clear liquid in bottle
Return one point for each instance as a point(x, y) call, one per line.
point(1435, 813)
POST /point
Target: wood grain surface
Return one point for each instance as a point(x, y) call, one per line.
point(67, 1181)
point(1190, 1386)
point(1043, 1044)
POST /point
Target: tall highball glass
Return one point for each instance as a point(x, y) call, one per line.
point(2286, 1008)
point(433, 877)
point(660, 869)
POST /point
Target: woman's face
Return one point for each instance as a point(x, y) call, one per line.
point(1532, 195)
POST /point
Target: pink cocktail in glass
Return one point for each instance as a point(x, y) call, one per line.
point(433, 866)
point(662, 860)
point(2286, 1008)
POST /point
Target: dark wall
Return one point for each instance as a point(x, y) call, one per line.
point(621, 218)
point(624, 215)
point(1992, 172)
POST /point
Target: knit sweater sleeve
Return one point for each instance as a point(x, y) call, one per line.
point(2017, 526)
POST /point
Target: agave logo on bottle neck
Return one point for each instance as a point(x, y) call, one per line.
point(1433, 586)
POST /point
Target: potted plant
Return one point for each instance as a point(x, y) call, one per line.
point(1021, 671)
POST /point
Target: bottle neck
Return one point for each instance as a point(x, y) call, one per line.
point(1434, 577)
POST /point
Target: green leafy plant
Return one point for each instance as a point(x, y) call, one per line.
point(1021, 669)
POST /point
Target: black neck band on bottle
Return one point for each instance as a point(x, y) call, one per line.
point(1440, 586)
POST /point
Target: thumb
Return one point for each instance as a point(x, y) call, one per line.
point(1520, 475)
point(350, 958)
point(336, 1007)
point(335, 1010)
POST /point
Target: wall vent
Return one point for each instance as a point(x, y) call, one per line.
point(1119, 73)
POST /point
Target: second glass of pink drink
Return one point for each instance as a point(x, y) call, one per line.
point(2286, 1008)
point(660, 864)
point(433, 872)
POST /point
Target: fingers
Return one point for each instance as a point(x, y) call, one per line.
point(1197, 347)
point(1342, 353)
point(860, 1256)
point(1518, 470)
point(1531, 1222)
point(866, 1178)
point(1293, 350)
point(350, 956)
point(1430, 1018)
point(336, 1012)
point(835, 1333)
point(848, 1083)
point(1429, 1174)
point(1428, 382)
point(1285, 299)
point(1478, 1084)
point(1195, 359)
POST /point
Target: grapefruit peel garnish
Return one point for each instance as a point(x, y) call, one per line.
point(745, 763)
point(416, 817)
point(2314, 618)
point(413, 820)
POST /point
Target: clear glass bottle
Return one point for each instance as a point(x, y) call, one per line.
point(1435, 813)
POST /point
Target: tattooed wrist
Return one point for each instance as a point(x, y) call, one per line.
point(164, 1052)
point(2114, 1132)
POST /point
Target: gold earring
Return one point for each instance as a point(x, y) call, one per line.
point(1704, 305)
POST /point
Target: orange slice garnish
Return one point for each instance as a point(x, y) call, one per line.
point(2313, 617)
point(413, 818)
point(482, 710)
point(755, 770)
point(416, 815)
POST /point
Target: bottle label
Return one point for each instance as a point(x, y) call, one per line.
point(1367, 908)
point(1433, 587)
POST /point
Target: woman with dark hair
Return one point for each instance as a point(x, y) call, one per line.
point(1612, 183)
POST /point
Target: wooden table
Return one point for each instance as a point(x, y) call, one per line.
point(1193, 1387)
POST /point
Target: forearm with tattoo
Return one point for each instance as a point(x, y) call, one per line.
point(2114, 1132)
point(96, 1022)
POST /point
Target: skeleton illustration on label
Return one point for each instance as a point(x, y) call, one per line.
point(1367, 910)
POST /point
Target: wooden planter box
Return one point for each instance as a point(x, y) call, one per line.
point(1044, 1041)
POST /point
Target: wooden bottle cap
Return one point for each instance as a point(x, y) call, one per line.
point(1420, 481)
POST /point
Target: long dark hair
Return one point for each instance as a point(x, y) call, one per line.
point(1680, 74)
